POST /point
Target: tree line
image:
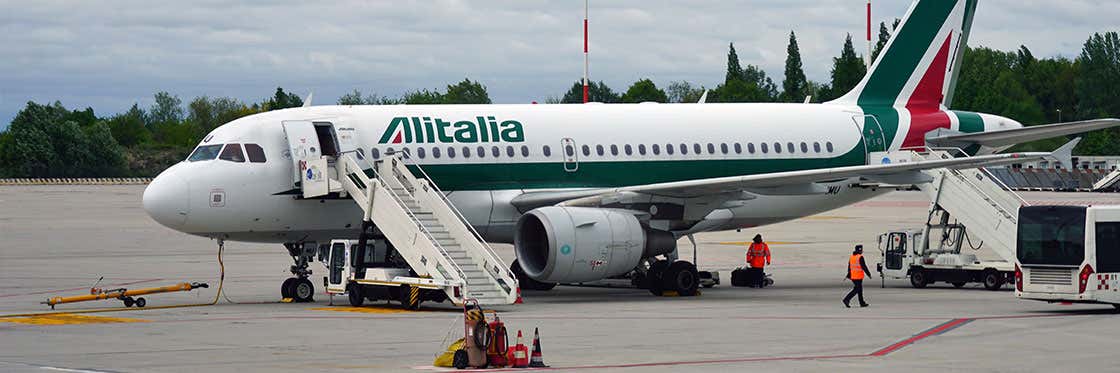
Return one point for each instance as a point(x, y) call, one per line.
point(50, 140)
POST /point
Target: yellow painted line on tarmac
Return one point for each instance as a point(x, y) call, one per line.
point(68, 319)
point(377, 310)
point(748, 243)
point(827, 217)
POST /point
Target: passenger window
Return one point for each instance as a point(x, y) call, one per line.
point(723, 148)
point(599, 150)
point(232, 153)
point(669, 149)
point(570, 150)
point(696, 149)
point(642, 149)
point(764, 148)
point(509, 151)
point(777, 147)
point(450, 152)
point(496, 151)
point(804, 148)
point(420, 153)
point(546, 151)
point(712, 148)
point(466, 152)
point(256, 153)
point(435, 152)
point(407, 154)
point(586, 151)
point(481, 152)
point(828, 146)
point(614, 149)
point(524, 151)
point(205, 153)
point(750, 147)
point(816, 147)
point(789, 147)
point(738, 148)
point(1108, 247)
point(656, 149)
point(629, 150)
point(684, 149)
point(373, 152)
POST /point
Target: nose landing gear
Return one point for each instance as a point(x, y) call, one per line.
point(299, 288)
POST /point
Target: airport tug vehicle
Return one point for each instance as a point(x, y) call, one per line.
point(934, 254)
point(1069, 254)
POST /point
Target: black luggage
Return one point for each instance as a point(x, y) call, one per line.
point(747, 277)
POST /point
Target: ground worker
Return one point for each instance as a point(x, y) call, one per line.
point(758, 257)
point(856, 270)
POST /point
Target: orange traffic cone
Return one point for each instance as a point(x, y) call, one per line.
point(520, 354)
point(536, 360)
point(519, 300)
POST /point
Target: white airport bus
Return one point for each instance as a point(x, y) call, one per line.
point(1069, 254)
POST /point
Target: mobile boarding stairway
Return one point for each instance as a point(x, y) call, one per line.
point(447, 258)
point(966, 206)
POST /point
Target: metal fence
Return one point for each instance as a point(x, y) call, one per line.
point(78, 181)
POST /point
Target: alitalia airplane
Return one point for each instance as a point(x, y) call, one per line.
point(520, 173)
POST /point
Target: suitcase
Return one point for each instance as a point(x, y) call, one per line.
point(740, 277)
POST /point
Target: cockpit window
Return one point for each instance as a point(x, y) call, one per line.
point(256, 153)
point(205, 153)
point(232, 153)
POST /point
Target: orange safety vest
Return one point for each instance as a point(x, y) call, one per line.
point(855, 271)
point(758, 254)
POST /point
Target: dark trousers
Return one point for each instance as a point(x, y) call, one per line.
point(857, 289)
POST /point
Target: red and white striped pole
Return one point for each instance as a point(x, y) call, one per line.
point(586, 90)
point(869, 61)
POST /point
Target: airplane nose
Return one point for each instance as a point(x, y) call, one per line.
point(167, 200)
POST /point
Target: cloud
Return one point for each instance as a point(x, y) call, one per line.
point(109, 55)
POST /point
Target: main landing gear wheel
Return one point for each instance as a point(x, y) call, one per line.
point(918, 279)
point(286, 287)
point(354, 293)
point(300, 290)
point(993, 280)
point(682, 278)
point(653, 279)
point(526, 282)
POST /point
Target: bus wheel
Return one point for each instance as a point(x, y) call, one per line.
point(918, 279)
point(993, 280)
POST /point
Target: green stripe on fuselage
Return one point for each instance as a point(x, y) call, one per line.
point(548, 175)
point(970, 122)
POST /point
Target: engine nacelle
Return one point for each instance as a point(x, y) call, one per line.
point(577, 244)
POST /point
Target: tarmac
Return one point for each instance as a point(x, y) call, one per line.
point(58, 240)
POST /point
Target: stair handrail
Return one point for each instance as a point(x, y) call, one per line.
point(487, 249)
point(947, 149)
point(446, 257)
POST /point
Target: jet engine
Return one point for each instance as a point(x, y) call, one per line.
point(577, 244)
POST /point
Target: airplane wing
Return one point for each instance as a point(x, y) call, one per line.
point(944, 137)
point(804, 182)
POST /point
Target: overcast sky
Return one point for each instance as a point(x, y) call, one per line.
point(110, 54)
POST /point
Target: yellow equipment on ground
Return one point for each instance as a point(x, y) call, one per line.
point(125, 295)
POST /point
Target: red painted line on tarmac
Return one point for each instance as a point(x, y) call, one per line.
point(83, 288)
point(944, 327)
point(676, 363)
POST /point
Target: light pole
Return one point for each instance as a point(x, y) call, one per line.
point(1059, 115)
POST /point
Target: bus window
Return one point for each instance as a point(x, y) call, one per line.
point(1051, 235)
point(1108, 247)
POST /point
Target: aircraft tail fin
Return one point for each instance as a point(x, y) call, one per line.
point(918, 67)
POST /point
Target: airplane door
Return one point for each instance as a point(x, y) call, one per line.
point(303, 145)
point(571, 159)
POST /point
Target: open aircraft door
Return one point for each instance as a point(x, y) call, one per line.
point(306, 153)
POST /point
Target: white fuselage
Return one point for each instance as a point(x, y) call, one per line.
point(259, 201)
